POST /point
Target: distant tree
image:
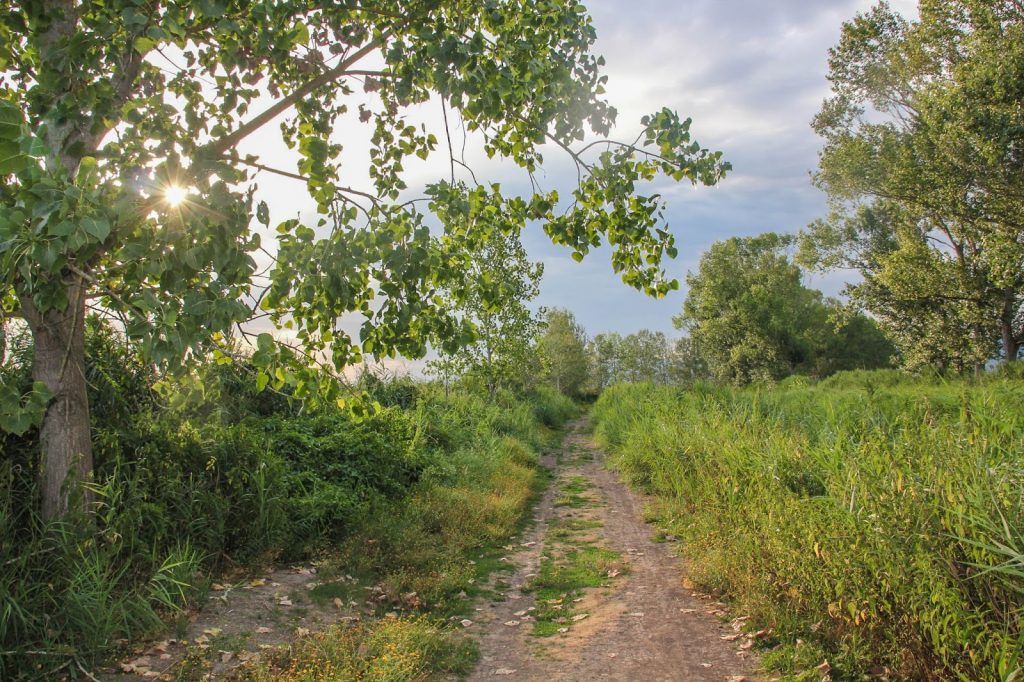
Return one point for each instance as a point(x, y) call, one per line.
point(640, 357)
point(563, 352)
point(752, 319)
point(686, 363)
point(924, 142)
point(604, 351)
point(645, 357)
point(494, 297)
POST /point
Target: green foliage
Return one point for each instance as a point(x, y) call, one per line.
point(563, 352)
point(872, 516)
point(183, 490)
point(751, 319)
point(643, 357)
point(99, 131)
point(494, 298)
point(922, 136)
point(551, 408)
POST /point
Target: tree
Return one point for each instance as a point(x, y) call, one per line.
point(752, 319)
point(124, 186)
point(494, 298)
point(645, 356)
point(604, 351)
point(686, 363)
point(563, 352)
point(924, 142)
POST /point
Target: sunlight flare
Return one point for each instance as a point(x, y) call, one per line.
point(174, 195)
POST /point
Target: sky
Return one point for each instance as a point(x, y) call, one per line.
point(751, 74)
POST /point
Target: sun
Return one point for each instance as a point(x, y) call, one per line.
point(175, 194)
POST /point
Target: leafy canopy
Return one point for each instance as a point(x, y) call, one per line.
point(106, 106)
point(751, 318)
point(924, 136)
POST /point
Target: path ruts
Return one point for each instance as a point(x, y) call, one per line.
point(643, 625)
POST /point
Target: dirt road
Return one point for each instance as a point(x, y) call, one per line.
point(594, 597)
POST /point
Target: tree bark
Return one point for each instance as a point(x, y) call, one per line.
point(64, 438)
point(1011, 346)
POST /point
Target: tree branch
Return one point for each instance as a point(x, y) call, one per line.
point(218, 147)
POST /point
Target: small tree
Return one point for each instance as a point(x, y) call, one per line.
point(123, 185)
point(563, 351)
point(494, 298)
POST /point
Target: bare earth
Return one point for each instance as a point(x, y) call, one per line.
point(645, 625)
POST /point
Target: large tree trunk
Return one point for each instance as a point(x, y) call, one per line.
point(1011, 346)
point(65, 439)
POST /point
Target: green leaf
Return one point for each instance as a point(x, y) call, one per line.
point(12, 158)
point(97, 227)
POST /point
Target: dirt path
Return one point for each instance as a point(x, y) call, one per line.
point(594, 597)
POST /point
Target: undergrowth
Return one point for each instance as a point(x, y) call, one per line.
point(217, 476)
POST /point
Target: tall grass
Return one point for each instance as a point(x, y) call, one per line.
point(876, 518)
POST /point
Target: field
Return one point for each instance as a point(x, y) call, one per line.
point(873, 521)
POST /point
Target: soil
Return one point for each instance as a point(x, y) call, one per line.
point(648, 624)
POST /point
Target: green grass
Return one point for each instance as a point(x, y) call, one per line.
point(876, 517)
point(573, 494)
point(392, 649)
point(563, 579)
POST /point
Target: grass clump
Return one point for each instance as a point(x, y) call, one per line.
point(876, 518)
point(391, 650)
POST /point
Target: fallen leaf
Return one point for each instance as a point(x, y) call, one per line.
point(504, 671)
point(263, 630)
point(213, 632)
point(563, 630)
point(338, 603)
point(732, 638)
point(638, 614)
point(511, 623)
point(466, 622)
point(226, 656)
point(519, 613)
point(579, 617)
point(301, 632)
point(747, 644)
point(824, 668)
